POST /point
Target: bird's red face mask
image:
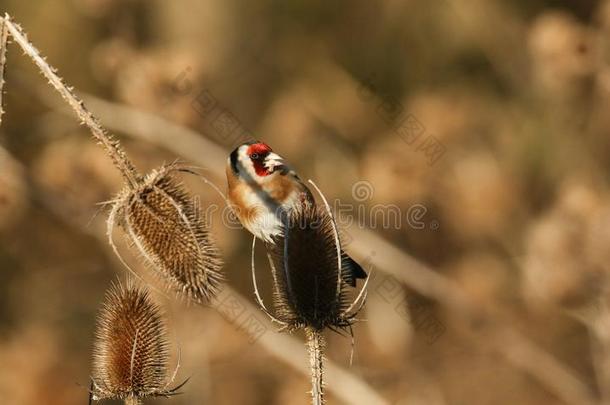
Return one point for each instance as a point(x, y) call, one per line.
point(263, 159)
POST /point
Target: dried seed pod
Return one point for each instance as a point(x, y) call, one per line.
point(308, 289)
point(130, 354)
point(167, 228)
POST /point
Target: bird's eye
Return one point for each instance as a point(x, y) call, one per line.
point(254, 156)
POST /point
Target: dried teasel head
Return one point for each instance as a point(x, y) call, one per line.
point(130, 354)
point(309, 287)
point(166, 227)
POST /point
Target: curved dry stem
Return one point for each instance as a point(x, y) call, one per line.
point(113, 148)
point(256, 293)
point(210, 183)
point(273, 270)
point(315, 346)
point(360, 300)
point(174, 374)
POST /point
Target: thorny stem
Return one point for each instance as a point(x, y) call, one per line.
point(131, 400)
point(112, 146)
point(3, 45)
point(315, 345)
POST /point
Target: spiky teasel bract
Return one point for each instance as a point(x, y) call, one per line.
point(166, 226)
point(130, 353)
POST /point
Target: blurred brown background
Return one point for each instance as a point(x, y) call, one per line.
point(492, 115)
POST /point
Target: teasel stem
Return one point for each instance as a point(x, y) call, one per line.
point(131, 400)
point(112, 146)
point(315, 345)
point(3, 45)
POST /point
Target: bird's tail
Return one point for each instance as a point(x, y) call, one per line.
point(351, 270)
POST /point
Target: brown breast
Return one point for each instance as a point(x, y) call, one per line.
point(279, 188)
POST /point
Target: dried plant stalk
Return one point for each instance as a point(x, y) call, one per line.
point(315, 346)
point(3, 45)
point(110, 144)
point(130, 354)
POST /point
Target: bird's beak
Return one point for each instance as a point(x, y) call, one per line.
point(274, 162)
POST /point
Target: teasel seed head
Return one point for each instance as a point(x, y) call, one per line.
point(166, 227)
point(130, 353)
point(308, 289)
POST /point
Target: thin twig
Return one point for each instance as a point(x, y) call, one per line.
point(111, 145)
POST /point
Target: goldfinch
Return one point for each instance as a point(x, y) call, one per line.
point(263, 190)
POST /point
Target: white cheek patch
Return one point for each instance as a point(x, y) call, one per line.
point(273, 160)
point(245, 164)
